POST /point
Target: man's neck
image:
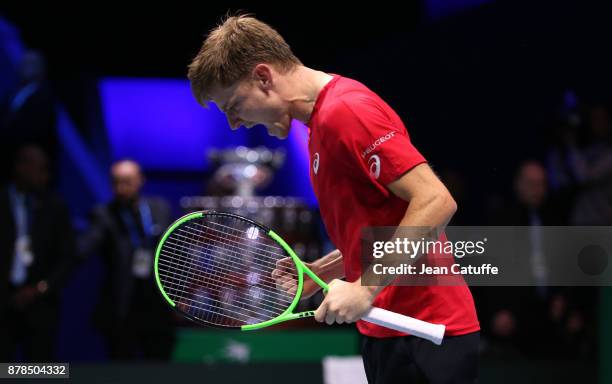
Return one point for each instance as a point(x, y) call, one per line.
point(130, 203)
point(307, 83)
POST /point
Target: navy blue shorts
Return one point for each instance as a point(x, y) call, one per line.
point(414, 360)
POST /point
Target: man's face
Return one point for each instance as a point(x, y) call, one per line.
point(531, 185)
point(253, 101)
point(127, 180)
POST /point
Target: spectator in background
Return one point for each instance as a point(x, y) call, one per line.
point(124, 232)
point(594, 203)
point(533, 203)
point(553, 313)
point(28, 115)
point(564, 162)
point(534, 208)
point(507, 315)
point(37, 253)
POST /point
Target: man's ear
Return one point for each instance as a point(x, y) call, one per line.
point(263, 74)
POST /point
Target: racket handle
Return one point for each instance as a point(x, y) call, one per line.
point(406, 324)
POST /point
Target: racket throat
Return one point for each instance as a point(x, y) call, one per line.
point(276, 320)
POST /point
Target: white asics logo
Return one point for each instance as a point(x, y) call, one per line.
point(374, 165)
point(315, 163)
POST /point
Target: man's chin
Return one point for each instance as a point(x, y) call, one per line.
point(279, 134)
point(282, 135)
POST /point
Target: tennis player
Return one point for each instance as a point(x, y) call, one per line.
point(365, 172)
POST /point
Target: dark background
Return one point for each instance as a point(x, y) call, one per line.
point(479, 84)
point(476, 85)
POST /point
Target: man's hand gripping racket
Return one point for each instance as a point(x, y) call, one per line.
point(225, 270)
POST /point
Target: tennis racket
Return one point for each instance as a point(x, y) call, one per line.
point(216, 269)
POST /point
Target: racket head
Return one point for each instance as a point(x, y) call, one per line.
point(215, 268)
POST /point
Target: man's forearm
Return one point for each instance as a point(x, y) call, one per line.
point(427, 219)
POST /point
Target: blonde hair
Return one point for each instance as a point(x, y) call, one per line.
point(231, 51)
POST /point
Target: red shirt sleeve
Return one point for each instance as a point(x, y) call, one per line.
point(372, 137)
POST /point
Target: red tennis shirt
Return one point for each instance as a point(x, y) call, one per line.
point(357, 146)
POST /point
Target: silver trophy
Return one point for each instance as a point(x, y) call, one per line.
point(244, 170)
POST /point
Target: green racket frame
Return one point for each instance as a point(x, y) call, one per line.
point(300, 267)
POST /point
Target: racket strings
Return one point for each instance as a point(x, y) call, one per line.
point(232, 252)
point(235, 246)
point(232, 268)
point(242, 308)
point(239, 232)
point(224, 278)
point(232, 303)
point(237, 249)
point(221, 272)
point(221, 277)
point(188, 296)
point(257, 251)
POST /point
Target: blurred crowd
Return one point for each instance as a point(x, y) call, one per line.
point(568, 184)
point(41, 249)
